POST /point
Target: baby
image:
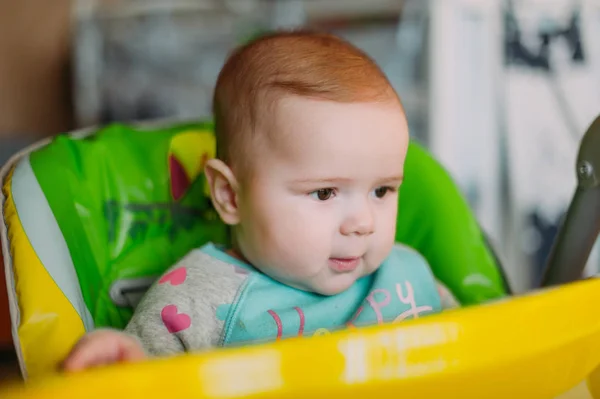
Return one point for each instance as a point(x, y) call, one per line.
point(311, 143)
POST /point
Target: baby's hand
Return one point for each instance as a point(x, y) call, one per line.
point(103, 347)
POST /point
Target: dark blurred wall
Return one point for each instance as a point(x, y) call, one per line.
point(34, 67)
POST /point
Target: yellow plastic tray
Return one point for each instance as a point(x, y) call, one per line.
point(536, 346)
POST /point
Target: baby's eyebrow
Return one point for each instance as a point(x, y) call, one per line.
point(323, 180)
point(392, 179)
point(340, 180)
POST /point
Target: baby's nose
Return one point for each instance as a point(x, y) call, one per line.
point(359, 223)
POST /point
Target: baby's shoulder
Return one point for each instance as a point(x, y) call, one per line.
point(199, 269)
point(197, 277)
point(190, 299)
point(407, 260)
point(403, 252)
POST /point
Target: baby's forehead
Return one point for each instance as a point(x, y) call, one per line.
point(304, 132)
point(295, 117)
point(312, 133)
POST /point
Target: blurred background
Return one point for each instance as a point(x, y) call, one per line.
point(500, 91)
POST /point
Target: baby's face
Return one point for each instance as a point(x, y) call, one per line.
point(320, 209)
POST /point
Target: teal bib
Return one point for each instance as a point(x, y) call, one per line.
point(266, 310)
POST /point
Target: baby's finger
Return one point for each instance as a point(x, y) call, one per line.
point(90, 353)
point(102, 348)
point(129, 350)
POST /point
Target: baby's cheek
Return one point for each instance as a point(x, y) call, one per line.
point(381, 246)
point(303, 225)
point(387, 229)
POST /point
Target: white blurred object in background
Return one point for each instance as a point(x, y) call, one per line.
point(514, 85)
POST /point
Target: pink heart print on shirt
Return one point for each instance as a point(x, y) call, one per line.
point(175, 277)
point(173, 320)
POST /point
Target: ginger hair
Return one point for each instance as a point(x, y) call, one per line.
point(310, 64)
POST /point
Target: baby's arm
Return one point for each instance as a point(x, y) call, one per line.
point(103, 347)
point(185, 310)
point(177, 314)
point(144, 335)
point(160, 317)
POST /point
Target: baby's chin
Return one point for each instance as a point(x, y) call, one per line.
point(337, 283)
point(335, 286)
point(331, 287)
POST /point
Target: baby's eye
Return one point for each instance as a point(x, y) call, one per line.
point(323, 194)
point(380, 192)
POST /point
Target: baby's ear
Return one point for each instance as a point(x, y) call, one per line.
point(223, 190)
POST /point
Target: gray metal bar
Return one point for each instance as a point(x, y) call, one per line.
point(581, 224)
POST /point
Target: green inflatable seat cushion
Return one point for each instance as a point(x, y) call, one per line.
point(127, 213)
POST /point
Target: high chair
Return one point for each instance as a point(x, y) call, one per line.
point(91, 218)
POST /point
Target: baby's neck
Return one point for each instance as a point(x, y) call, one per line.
point(232, 252)
point(234, 249)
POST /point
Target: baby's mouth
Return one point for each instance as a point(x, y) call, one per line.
point(344, 265)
